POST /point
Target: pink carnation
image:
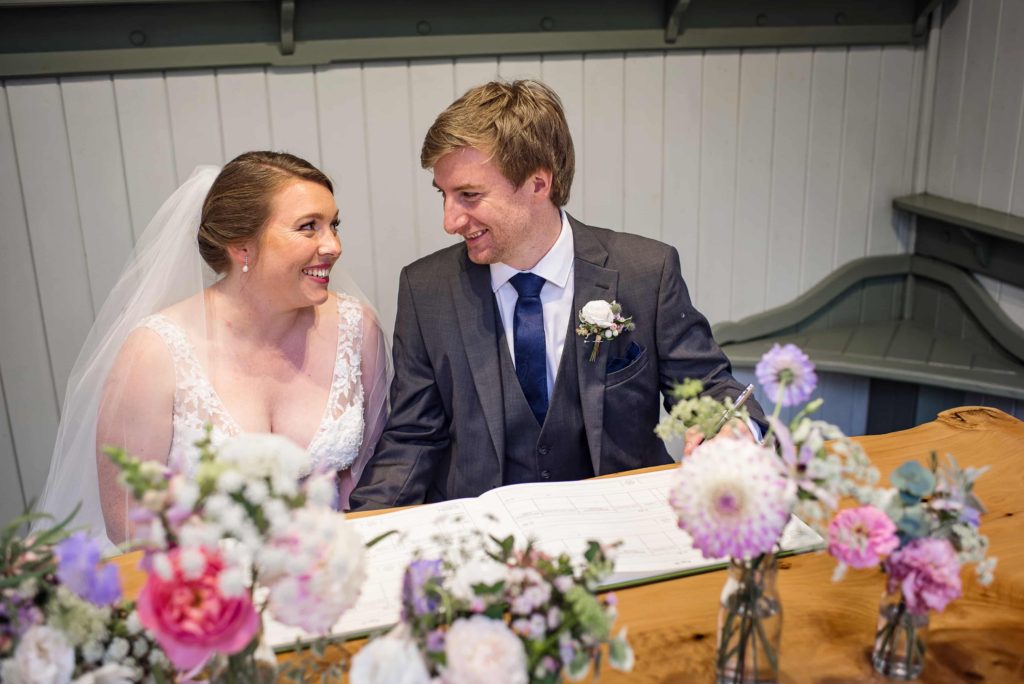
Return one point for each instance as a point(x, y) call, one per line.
point(928, 572)
point(192, 618)
point(859, 537)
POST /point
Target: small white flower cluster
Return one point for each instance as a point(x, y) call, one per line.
point(255, 504)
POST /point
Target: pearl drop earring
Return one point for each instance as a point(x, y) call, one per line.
point(245, 268)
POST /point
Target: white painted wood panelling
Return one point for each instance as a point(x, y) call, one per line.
point(12, 499)
point(976, 151)
point(766, 168)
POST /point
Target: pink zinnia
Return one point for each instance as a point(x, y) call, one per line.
point(928, 572)
point(859, 537)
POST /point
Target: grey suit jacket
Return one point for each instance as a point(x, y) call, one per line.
point(445, 437)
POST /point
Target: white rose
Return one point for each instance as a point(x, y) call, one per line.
point(486, 571)
point(44, 656)
point(391, 659)
point(480, 650)
point(598, 312)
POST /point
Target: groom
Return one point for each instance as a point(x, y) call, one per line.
point(494, 383)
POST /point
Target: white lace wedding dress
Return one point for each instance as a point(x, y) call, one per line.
point(334, 446)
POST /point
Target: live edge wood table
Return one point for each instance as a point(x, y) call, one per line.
point(828, 627)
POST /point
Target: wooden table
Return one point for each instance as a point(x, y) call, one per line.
point(828, 627)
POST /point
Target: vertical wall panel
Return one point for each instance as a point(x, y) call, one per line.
point(859, 130)
point(195, 120)
point(513, 67)
point(102, 198)
point(293, 124)
point(472, 71)
point(48, 188)
point(753, 181)
point(433, 89)
point(887, 176)
point(643, 143)
point(789, 172)
point(720, 99)
point(343, 137)
point(602, 152)
point(948, 102)
point(564, 73)
point(12, 498)
point(681, 160)
point(391, 169)
point(244, 110)
point(975, 100)
point(146, 143)
point(30, 393)
point(1002, 134)
point(828, 86)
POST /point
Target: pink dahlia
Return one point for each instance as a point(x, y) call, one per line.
point(859, 537)
point(732, 499)
point(928, 572)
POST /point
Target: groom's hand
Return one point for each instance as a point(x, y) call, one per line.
point(735, 429)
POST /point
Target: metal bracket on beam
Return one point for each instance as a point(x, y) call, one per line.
point(287, 27)
point(674, 27)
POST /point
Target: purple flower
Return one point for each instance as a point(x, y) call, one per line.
point(786, 374)
point(928, 572)
point(435, 641)
point(416, 600)
point(79, 570)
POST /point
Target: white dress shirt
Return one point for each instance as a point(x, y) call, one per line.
point(556, 267)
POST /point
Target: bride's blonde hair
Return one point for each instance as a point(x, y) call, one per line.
point(239, 202)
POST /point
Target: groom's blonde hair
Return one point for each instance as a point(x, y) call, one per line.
point(521, 125)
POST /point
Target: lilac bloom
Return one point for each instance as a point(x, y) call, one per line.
point(414, 587)
point(787, 374)
point(78, 569)
point(435, 641)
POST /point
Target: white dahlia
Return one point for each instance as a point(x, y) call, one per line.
point(732, 498)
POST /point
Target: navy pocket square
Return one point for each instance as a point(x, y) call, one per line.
point(632, 353)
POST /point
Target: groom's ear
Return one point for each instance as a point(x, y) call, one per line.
point(540, 184)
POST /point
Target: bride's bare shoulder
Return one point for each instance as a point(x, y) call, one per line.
point(187, 312)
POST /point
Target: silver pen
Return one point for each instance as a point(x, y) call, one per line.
point(728, 413)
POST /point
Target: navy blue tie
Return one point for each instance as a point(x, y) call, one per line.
point(528, 341)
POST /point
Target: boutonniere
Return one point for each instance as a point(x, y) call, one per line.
point(603, 321)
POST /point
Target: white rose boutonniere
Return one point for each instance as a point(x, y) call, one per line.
point(602, 320)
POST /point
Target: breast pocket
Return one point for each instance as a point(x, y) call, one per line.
point(637, 362)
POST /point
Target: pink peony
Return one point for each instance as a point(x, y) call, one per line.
point(192, 618)
point(928, 572)
point(859, 537)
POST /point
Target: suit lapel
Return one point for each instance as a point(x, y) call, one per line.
point(592, 281)
point(474, 304)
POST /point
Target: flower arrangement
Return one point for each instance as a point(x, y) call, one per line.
point(601, 321)
point(243, 519)
point(508, 616)
point(920, 532)
point(62, 616)
point(734, 497)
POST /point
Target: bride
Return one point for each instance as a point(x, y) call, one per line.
point(267, 347)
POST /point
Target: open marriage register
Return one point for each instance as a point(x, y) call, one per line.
point(558, 516)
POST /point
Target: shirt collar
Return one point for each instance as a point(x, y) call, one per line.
point(554, 267)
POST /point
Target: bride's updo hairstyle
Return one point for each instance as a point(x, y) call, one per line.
point(239, 202)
